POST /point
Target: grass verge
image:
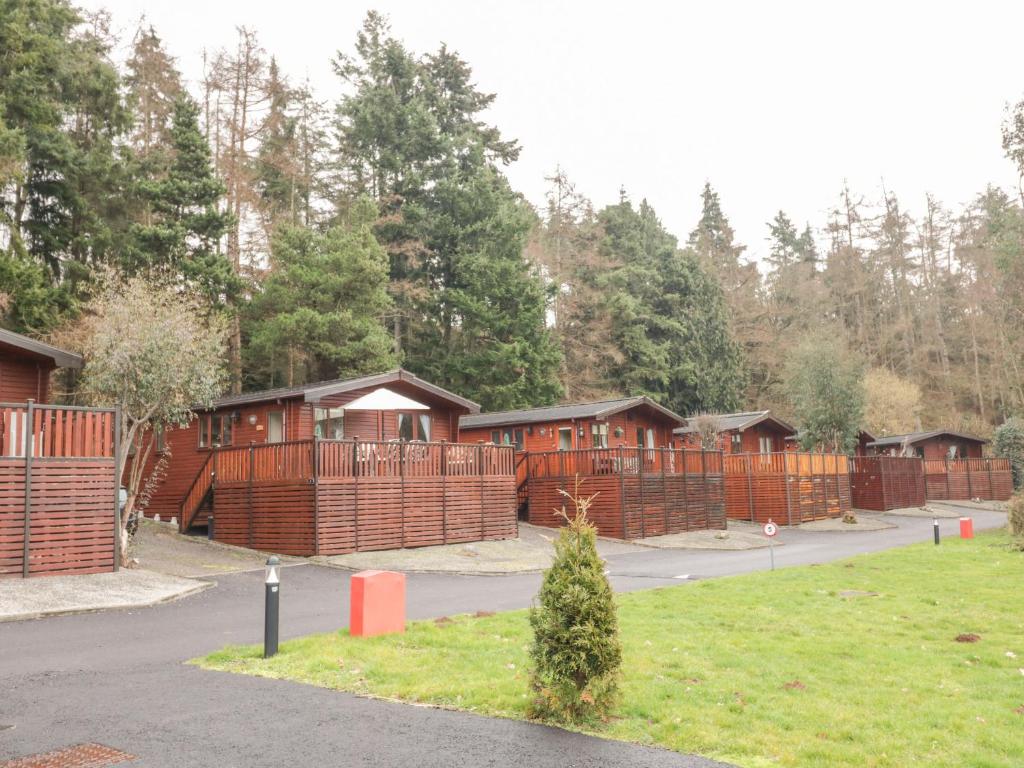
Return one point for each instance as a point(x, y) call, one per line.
point(854, 663)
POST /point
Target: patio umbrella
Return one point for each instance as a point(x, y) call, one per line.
point(384, 399)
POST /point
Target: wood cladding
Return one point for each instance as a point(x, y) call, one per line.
point(63, 460)
point(638, 492)
point(788, 488)
point(24, 378)
point(336, 497)
point(962, 479)
point(882, 483)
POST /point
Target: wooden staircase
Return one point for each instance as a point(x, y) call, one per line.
point(201, 488)
point(522, 491)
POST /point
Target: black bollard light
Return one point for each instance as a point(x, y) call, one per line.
point(271, 611)
point(935, 530)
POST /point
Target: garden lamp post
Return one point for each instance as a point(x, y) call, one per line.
point(271, 610)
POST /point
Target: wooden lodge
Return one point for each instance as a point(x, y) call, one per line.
point(936, 444)
point(746, 432)
point(333, 467)
point(26, 366)
point(617, 449)
point(787, 487)
point(58, 494)
point(330, 497)
point(290, 414)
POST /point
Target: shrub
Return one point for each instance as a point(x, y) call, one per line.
point(1008, 443)
point(576, 652)
point(1015, 517)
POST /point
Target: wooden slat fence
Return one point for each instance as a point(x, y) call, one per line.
point(882, 483)
point(338, 496)
point(58, 490)
point(787, 487)
point(639, 492)
point(962, 479)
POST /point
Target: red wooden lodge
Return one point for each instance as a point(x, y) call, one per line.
point(58, 495)
point(953, 464)
point(746, 432)
point(335, 467)
point(619, 450)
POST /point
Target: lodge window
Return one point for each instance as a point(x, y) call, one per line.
point(599, 435)
point(508, 437)
point(275, 427)
point(640, 437)
point(765, 444)
point(737, 443)
point(329, 423)
point(215, 430)
point(414, 426)
point(565, 438)
point(161, 438)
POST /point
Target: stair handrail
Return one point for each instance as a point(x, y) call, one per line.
point(185, 524)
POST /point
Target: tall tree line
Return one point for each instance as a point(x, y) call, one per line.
point(381, 229)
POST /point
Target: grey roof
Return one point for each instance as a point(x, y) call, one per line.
point(729, 422)
point(916, 437)
point(60, 357)
point(315, 391)
point(596, 410)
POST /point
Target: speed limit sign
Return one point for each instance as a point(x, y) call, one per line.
point(770, 528)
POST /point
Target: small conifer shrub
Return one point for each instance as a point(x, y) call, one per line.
point(576, 651)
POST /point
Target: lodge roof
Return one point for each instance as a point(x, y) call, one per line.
point(911, 438)
point(61, 358)
point(729, 422)
point(596, 410)
point(315, 391)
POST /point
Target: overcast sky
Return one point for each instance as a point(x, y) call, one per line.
point(774, 103)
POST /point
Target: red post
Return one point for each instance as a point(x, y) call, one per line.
point(377, 605)
point(966, 528)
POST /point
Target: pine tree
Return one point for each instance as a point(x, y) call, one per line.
point(576, 652)
point(319, 314)
point(185, 226)
point(154, 87)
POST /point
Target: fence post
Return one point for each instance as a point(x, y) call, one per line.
point(640, 481)
point(355, 493)
point(252, 471)
point(29, 450)
point(991, 490)
point(480, 465)
point(785, 481)
point(704, 486)
point(970, 485)
point(444, 492)
point(316, 495)
point(622, 492)
point(946, 463)
point(750, 483)
point(686, 492)
point(117, 488)
point(664, 489)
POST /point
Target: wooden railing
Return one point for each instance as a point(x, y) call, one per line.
point(591, 462)
point(940, 466)
point(350, 458)
point(787, 463)
point(201, 485)
point(56, 431)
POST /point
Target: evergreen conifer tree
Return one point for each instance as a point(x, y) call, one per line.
point(576, 651)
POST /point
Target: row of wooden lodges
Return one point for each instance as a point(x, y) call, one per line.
point(391, 460)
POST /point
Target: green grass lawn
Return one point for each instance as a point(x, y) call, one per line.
point(767, 669)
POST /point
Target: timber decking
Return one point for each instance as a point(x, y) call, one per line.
point(787, 487)
point(62, 461)
point(882, 483)
point(963, 479)
point(638, 492)
point(332, 497)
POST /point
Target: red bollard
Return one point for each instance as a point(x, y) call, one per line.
point(377, 605)
point(966, 528)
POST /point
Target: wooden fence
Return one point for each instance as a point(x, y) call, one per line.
point(58, 490)
point(331, 497)
point(988, 479)
point(788, 487)
point(882, 483)
point(639, 492)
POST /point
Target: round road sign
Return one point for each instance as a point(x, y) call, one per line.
point(770, 529)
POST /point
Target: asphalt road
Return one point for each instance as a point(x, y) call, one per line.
point(117, 678)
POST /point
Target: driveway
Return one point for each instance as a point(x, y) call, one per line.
point(117, 678)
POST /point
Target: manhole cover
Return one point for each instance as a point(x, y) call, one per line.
point(78, 756)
